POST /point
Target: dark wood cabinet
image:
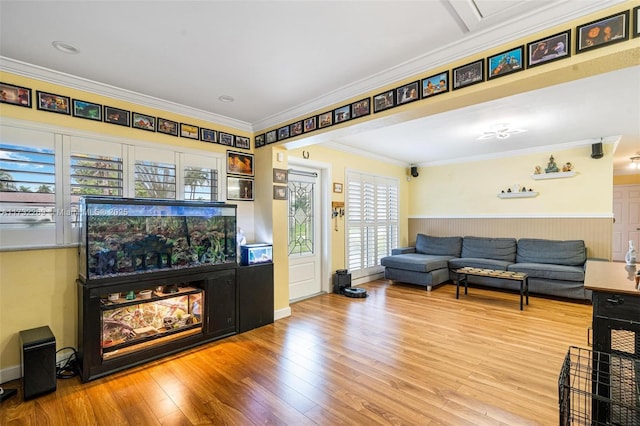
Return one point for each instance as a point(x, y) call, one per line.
point(255, 296)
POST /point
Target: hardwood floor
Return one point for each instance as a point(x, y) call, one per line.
point(402, 356)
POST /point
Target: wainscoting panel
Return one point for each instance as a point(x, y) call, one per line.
point(596, 232)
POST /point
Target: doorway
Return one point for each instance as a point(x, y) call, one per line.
point(626, 225)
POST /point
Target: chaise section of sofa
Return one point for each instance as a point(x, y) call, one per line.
point(426, 263)
point(555, 267)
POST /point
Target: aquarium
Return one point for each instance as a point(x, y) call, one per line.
point(251, 254)
point(123, 237)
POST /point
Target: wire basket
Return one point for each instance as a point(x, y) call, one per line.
point(598, 388)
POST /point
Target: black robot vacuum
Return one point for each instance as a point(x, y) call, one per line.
point(342, 285)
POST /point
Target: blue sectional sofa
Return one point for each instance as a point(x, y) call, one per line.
point(555, 268)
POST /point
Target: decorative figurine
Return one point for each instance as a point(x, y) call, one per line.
point(631, 255)
point(567, 167)
point(537, 170)
point(131, 295)
point(552, 167)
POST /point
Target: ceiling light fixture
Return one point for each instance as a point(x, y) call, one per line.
point(635, 161)
point(500, 131)
point(65, 47)
point(226, 98)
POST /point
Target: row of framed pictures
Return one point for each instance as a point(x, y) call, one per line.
point(50, 102)
point(603, 32)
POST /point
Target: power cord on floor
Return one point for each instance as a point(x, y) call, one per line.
point(67, 368)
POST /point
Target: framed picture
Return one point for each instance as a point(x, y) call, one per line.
point(361, 108)
point(259, 140)
point(272, 136)
point(325, 119)
point(636, 21)
point(15, 95)
point(116, 116)
point(227, 139)
point(279, 192)
point(468, 74)
point(283, 133)
point(384, 101)
point(144, 122)
point(342, 114)
point(53, 103)
point(504, 63)
point(407, 93)
point(167, 127)
point(208, 135)
point(435, 84)
point(605, 31)
point(189, 131)
point(239, 163)
point(337, 187)
point(549, 49)
point(280, 176)
point(87, 110)
point(243, 142)
point(310, 124)
point(296, 128)
point(239, 188)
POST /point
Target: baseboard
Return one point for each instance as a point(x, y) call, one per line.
point(10, 373)
point(282, 313)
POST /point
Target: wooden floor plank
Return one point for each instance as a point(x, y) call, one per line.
point(401, 356)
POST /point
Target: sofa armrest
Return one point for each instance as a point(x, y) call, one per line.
point(403, 250)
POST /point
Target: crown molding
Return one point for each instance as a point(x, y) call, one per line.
point(55, 77)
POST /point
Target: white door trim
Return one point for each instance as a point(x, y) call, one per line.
point(325, 216)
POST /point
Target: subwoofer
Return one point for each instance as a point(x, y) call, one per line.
point(38, 359)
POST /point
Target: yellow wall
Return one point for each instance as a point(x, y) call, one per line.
point(627, 179)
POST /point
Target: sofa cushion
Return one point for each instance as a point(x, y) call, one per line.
point(475, 262)
point(439, 246)
point(415, 262)
point(489, 248)
point(549, 271)
point(531, 250)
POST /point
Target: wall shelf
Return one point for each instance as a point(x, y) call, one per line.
point(556, 175)
point(527, 194)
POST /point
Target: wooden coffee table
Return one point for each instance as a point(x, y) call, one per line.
point(463, 274)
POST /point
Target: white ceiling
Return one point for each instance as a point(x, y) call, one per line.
point(284, 59)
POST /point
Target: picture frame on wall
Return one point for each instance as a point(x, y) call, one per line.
point(636, 20)
point(279, 192)
point(603, 32)
point(468, 74)
point(383, 101)
point(361, 108)
point(549, 49)
point(239, 188)
point(259, 140)
point(310, 124)
point(227, 139)
point(280, 176)
point(189, 131)
point(342, 114)
point(243, 142)
point(505, 63)
point(239, 163)
point(407, 93)
point(435, 85)
point(325, 119)
point(53, 103)
point(15, 95)
point(144, 122)
point(295, 129)
point(271, 136)
point(167, 127)
point(283, 133)
point(116, 116)
point(88, 110)
point(208, 135)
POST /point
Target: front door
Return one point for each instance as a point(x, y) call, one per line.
point(304, 233)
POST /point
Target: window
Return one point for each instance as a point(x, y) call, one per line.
point(372, 221)
point(43, 174)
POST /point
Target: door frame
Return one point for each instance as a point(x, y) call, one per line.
point(324, 183)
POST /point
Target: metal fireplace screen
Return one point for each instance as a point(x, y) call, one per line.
point(597, 388)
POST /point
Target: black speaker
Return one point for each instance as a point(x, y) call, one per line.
point(38, 359)
point(414, 171)
point(596, 150)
